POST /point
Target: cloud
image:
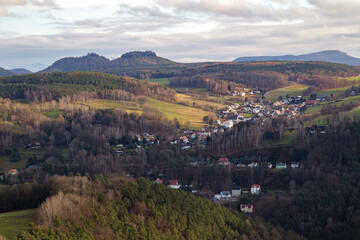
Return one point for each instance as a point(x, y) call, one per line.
point(144, 10)
point(46, 3)
point(5, 13)
point(12, 2)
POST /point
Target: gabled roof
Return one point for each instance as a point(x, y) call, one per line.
point(255, 186)
point(173, 182)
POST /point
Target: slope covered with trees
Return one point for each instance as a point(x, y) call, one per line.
point(115, 208)
point(49, 86)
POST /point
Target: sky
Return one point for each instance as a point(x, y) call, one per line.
point(43, 31)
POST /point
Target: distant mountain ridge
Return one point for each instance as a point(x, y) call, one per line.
point(95, 62)
point(4, 72)
point(333, 56)
point(20, 71)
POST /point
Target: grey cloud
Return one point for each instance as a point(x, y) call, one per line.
point(149, 11)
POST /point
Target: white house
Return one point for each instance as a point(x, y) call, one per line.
point(295, 164)
point(255, 189)
point(236, 191)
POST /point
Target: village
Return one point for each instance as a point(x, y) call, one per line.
point(234, 193)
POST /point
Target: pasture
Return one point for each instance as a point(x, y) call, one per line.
point(292, 90)
point(13, 223)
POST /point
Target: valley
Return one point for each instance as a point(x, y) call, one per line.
point(207, 136)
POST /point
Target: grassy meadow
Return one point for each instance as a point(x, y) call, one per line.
point(12, 223)
point(292, 90)
point(183, 113)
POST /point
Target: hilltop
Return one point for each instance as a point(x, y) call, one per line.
point(333, 56)
point(89, 62)
point(95, 62)
point(4, 72)
point(20, 71)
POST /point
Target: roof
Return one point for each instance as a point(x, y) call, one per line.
point(223, 159)
point(236, 188)
point(246, 205)
point(173, 182)
point(281, 164)
point(158, 180)
point(255, 186)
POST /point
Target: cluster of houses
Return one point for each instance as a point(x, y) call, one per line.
point(174, 184)
point(147, 138)
point(288, 107)
point(280, 165)
point(244, 92)
point(187, 140)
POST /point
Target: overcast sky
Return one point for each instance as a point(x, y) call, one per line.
point(184, 30)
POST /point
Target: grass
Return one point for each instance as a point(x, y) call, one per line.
point(201, 103)
point(12, 223)
point(335, 91)
point(317, 108)
point(54, 114)
point(170, 110)
point(293, 90)
point(162, 81)
point(6, 164)
point(183, 113)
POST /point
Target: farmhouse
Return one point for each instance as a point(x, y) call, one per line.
point(255, 189)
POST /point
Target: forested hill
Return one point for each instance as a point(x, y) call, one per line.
point(114, 208)
point(333, 56)
point(94, 62)
point(49, 86)
point(89, 62)
point(4, 72)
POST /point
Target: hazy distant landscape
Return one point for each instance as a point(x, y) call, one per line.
point(179, 120)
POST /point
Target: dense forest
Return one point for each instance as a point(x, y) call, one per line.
point(52, 86)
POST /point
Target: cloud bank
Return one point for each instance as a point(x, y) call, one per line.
point(176, 29)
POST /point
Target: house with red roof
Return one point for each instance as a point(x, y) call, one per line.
point(12, 172)
point(174, 184)
point(247, 208)
point(158, 180)
point(224, 161)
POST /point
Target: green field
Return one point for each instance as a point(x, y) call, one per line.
point(161, 81)
point(336, 91)
point(12, 223)
point(293, 90)
point(6, 164)
point(170, 110)
point(183, 113)
point(53, 114)
point(318, 107)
